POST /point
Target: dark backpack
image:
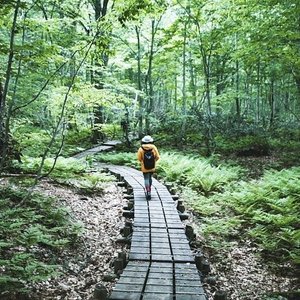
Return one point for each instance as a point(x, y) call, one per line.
point(149, 159)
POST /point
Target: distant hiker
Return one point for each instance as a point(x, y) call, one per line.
point(148, 155)
point(125, 128)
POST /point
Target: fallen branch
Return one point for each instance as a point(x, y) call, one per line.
point(18, 175)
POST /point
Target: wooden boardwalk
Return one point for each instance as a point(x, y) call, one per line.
point(103, 147)
point(161, 265)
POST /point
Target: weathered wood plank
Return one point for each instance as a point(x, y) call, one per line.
point(158, 239)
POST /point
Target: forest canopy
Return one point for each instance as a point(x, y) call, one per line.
point(195, 71)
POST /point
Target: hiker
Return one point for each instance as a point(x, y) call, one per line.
point(148, 155)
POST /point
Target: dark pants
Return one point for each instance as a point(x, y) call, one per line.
point(148, 181)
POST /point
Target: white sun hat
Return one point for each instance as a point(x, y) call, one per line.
point(147, 139)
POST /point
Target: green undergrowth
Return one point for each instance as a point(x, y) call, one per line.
point(69, 171)
point(34, 141)
point(255, 144)
point(33, 228)
point(195, 172)
point(266, 211)
point(118, 158)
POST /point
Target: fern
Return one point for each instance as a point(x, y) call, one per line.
point(204, 206)
point(121, 158)
point(268, 210)
point(197, 173)
point(193, 171)
point(36, 223)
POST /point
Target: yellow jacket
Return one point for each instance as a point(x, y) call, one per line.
point(140, 156)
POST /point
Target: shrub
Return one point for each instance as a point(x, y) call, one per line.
point(112, 131)
point(76, 141)
point(64, 167)
point(247, 145)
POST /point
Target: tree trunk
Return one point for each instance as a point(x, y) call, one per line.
point(4, 135)
point(237, 90)
point(257, 117)
point(206, 61)
point(1, 98)
point(193, 81)
point(175, 94)
point(100, 60)
point(297, 80)
point(148, 80)
point(272, 103)
point(207, 85)
point(139, 80)
point(220, 70)
point(183, 126)
point(61, 117)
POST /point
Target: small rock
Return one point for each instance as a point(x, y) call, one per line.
point(210, 280)
point(64, 287)
point(109, 277)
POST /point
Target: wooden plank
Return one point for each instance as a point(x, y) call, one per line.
point(159, 240)
point(161, 264)
point(157, 296)
point(121, 295)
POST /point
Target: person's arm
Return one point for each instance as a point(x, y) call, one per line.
point(140, 155)
point(157, 156)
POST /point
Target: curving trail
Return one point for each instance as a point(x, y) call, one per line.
point(161, 265)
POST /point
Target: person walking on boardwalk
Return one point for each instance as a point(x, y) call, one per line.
point(148, 155)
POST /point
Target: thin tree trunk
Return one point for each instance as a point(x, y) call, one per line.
point(257, 117)
point(100, 8)
point(11, 102)
point(148, 80)
point(139, 80)
point(220, 67)
point(207, 83)
point(1, 95)
point(3, 114)
point(206, 61)
point(175, 94)
point(62, 113)
point(297, 81)
point(272, 103)
point(237, 91)
point(100, 61)
point(100, 12)
point(183, 126)
point(193, 80)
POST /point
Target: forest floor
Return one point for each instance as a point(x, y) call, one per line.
point(91, 261)
point(239, 271)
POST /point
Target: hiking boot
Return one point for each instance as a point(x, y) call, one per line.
point(148, 196)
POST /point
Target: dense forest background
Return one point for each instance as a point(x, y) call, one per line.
point(206, 73)
point(217, 79)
